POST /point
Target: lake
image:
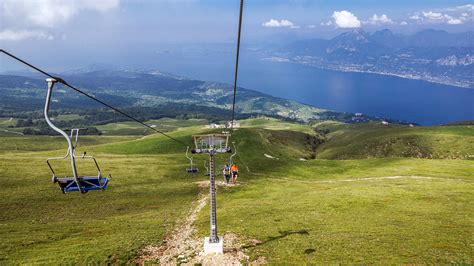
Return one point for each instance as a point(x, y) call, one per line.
point(415, 101)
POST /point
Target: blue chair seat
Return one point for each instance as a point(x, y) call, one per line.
point(87, 183)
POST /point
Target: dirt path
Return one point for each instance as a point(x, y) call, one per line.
point(8, 131)
point(12, 132)
point(6, 121)
point(183, 247)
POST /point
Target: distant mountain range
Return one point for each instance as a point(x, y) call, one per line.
point(139, 88)
point(430, 55)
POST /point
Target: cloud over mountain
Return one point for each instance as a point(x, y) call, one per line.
point(345, 19)
point(452, 15)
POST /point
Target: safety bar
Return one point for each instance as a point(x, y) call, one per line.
point(76, 130)
point(99, 174)
point(95, 162)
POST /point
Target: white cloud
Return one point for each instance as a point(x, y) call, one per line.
point(345, 19)
point(439, 17)
point(403, 23)
point(34, 19)
point(329, 23)
point(447, 18)
point(379, 20)
point(468, 7)
point(274, 23)
point(433, 15)
point(311, 26)
point(454, 21)
point(10, 35)
point(466, 17)
point(51, 13)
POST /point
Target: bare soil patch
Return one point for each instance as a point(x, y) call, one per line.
point(182, 246)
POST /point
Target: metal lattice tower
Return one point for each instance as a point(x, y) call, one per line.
point(212, 144)
point(212, 192)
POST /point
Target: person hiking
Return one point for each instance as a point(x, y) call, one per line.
point(227, 173)
point(235, 173)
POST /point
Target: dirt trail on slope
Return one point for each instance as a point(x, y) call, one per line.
point(12, 132)
point(183, 247)
point(6, 121)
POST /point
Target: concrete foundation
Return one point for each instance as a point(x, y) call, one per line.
point(217, 248)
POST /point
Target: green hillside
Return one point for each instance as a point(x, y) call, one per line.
point(392, 208)
point(361, 141)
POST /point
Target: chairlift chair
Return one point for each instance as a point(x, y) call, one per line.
point(212, 143)
point(75, 182)
point(230, 162)
point(191, 169)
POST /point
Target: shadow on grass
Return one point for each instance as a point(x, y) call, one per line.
point(282, 234)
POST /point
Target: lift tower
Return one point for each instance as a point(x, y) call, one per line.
point(212, 144)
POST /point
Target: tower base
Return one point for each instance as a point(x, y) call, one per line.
point(217, 248)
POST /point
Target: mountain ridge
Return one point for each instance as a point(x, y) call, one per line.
point(431, 55)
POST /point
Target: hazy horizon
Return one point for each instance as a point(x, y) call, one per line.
point(63, 35)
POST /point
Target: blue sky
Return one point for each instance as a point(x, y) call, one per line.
point(40, 28)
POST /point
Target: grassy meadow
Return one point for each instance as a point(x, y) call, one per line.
point(357, 202)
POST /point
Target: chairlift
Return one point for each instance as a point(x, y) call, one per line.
point(229, 163)
point(212, 143)
point(75, 182)
point(191, 168)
